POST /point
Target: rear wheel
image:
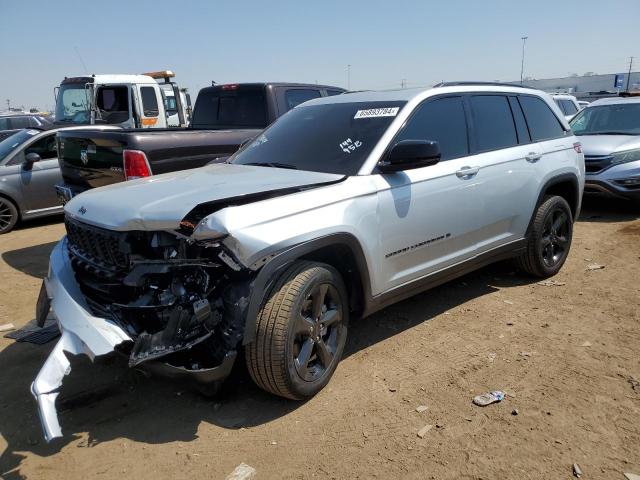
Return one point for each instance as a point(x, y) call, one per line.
point(301, 331)
point(8, 215)
point(550, 238)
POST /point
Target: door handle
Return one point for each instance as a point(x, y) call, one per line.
point(533, 157)
point(466, 173)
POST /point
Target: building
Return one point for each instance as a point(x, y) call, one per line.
point(589, 87)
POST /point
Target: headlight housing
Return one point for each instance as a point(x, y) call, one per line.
point(626, 156)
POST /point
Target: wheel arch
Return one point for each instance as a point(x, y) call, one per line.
point(7, 196)
point(340, 250)
point(566, 186)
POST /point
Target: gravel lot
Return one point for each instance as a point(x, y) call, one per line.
point(567, 355)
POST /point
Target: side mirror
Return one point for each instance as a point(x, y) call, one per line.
point(409, 154)
point(30, 159)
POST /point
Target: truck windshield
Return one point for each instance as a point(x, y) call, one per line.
point(9, 144)
point(330, 138)
point(616, 119)
point(240, 107)
point(72, 104)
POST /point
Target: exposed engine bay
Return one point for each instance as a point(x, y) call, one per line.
point(182, 302)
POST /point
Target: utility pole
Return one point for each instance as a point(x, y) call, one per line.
point(8, 105)
point(403, 83)
point(629, 74)
point(524, 41)
point(349, 77)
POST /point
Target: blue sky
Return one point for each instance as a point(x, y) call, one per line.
point(234, 41)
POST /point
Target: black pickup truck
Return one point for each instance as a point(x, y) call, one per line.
point(224, 117)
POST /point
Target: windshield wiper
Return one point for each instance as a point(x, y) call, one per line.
point(273, 165)
point(610, 133)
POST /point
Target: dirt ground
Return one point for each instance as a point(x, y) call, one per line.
point(569, 357)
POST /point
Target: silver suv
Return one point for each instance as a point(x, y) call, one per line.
point(343, 206)
point(609, 130)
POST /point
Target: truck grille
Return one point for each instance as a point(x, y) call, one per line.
point(597, 163)
point(102, 248)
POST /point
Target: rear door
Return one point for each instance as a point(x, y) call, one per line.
point(428, 216)
point(505, 183)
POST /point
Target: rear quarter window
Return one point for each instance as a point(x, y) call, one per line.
point(542, 122)
point(295, 97)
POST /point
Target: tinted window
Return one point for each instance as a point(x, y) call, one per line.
point(492, 122)
point(331, 138)
point(331, 93)
point(149, 102)
point(298, 96)
point(19, 122)
point(442, 120)
point(45, 147)
point(542, 122)
point(4, 124)
point(241, 107)
point(9, 144)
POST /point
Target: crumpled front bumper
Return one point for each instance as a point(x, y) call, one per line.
point(81, 333)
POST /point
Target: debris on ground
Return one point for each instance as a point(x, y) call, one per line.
point(423, 431)
point(635, 384)
point(421, 408)
point(393, 389)
point(508, 302)
point(577, 472)
point(491, 356)
point(551, 283)
point(586, 344)
point(526, 354)
point(7, 327)
point(242, 472)
point(32, 333)
point(488, 398)
point(594, 266)
point(514, 412)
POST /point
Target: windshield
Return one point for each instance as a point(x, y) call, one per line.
point(616, 119)
point(72, 104)
point(9, 144)
point(332, 138)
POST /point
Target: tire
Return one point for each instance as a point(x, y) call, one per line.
point(8, 215)
point(296, 351)
point(549, 239)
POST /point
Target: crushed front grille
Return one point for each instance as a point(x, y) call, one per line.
point(96, 245)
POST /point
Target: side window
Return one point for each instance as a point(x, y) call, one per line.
point(442, 120)
point(45, 147)
point(493, 123)
point(149, 102)
point(542, 122)
point(569, 107)
point(19, 122)
point(297, 96)
point(560, 105)
point(331, 93)
point(4, 124)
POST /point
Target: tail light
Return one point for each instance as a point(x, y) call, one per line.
point(136, 164)
point(230, 87)
point(577, 147)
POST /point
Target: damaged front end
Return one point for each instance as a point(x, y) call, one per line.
point(174, 306)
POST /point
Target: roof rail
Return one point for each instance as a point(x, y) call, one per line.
point(471, 84)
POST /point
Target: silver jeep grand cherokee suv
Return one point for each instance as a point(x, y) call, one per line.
point(344, 205)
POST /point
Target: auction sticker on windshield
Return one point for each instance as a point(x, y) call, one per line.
point(377, 112)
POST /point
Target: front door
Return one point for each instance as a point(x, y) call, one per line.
point(428, 217)
point(37, 183)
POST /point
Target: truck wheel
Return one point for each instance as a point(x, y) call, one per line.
point(8, 215)
point(550, 238)
point(301, 331)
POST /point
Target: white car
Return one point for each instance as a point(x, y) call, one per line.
point(568, 104)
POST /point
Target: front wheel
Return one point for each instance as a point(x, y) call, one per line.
point(301, 331)
point(549, 239)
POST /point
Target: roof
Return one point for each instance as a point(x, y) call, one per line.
point(113, 78)
point(408, 94)
point(276, 84)
point(613, 101)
